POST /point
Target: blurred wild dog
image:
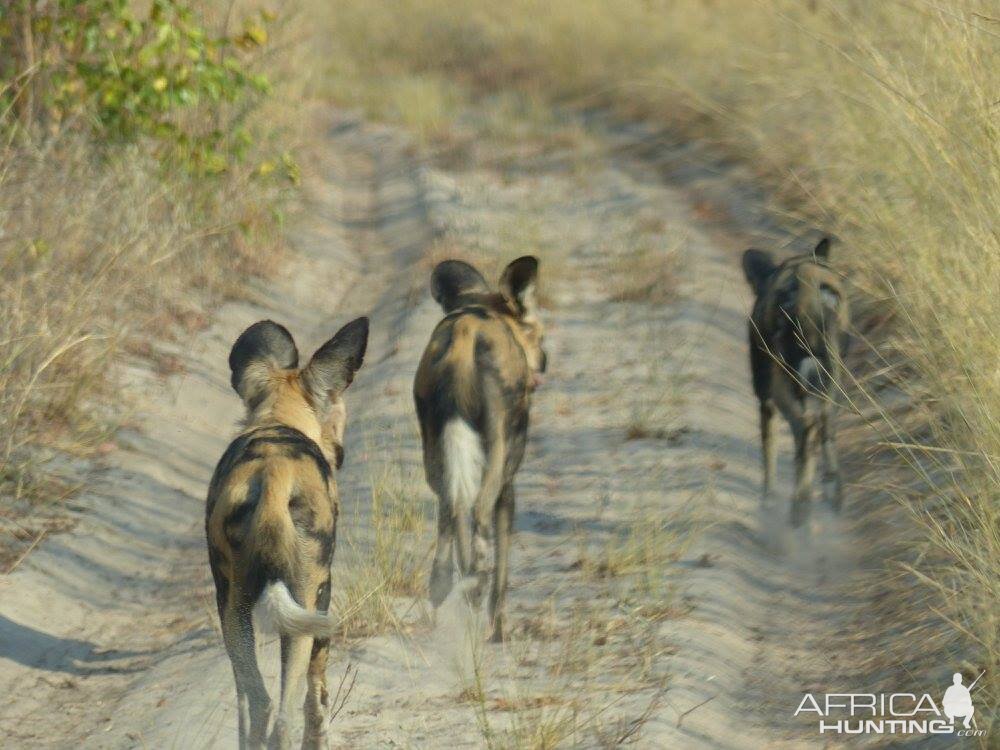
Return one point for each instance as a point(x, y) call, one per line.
point(271, 519)
point(473, 392)
point(797, 340)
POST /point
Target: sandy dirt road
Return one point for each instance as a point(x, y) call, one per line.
point(654, 599)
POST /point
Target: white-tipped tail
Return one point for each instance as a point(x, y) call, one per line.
point(277, 612)
point(463, 462)
point(809, 372)
point(812, 374)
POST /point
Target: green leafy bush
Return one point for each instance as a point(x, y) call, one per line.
point(159, 74)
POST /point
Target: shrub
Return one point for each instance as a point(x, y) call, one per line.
point(103, 66)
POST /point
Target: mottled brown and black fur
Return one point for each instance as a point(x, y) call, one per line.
point(473, 394)
point(797, 336)
point(271, 520)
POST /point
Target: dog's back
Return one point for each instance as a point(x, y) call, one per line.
point(271, 514)
point(472, 393)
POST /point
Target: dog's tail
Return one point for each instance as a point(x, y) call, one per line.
point(463, 459)
point(821, 329)
point(276, 611)
point(812, 375)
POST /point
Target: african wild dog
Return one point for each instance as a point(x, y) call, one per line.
point(271, 519)
point(473, 391)
point(797, 337)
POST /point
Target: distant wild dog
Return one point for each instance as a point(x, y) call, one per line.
point(473, 391)
point(271, 520)
point(797, 337)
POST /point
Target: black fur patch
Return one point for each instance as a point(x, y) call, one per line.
point(221, 583)
point(236, 523)
point(252, 445)
point(437, 410)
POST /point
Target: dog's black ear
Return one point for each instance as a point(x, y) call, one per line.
point(332, 367)
point(452, 279)
point(822, 250)
point(519, 283)
point(262, 348)
point(758, 267)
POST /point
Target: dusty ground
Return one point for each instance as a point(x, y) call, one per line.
point(654, 600)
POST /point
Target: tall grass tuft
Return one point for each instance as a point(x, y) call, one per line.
point(99, 255)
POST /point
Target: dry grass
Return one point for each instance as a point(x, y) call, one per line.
point(649, 273)
point(874, 120)
point(401, 511)
point(598, 668)
point(594, 648)
point(101, 256)
point(107, 255)
point(654, 394)
point(387, 578)
point(634, 559)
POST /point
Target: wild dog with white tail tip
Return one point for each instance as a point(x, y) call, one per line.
point(271, 520)
point(797, 339)
point(473, 392)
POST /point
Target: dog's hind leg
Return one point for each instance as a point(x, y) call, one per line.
point(503, 521)
point(805, 469)
point(317, 699)
point(295, 653)
point(252, 701)
point(761, 376)
point(463, 539)
point(832, 486)
point(443, 567)
point(768, 457)
point(485, 507)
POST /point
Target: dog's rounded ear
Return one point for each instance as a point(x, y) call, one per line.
point(452, 279)
point(758, 266)
point(519, 283)
point(263, 347)
point(332, 367)
point(822, 250)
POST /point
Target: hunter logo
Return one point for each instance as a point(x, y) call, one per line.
point(895, 713)
point(957, 701)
